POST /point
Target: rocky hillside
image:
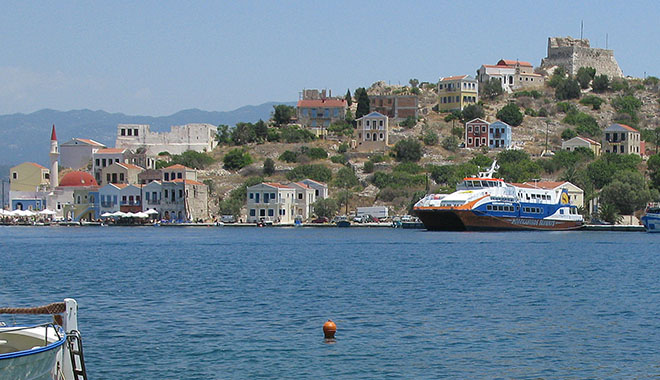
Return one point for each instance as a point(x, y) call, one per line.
point(530, 136)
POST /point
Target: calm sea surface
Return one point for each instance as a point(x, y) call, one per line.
point(242, 303)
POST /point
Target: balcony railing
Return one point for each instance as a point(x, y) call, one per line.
point(108, 204)
point(153, 201)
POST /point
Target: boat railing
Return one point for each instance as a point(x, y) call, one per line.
point(56, 328)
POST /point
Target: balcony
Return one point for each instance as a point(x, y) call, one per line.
point(108, 204)
point(153, 201)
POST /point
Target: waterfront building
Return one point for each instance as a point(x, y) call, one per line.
point(621, 139)
point(476, 133)
point(512, 74)
point(77, 153)
point(305, 197)
point(320, 188)
point(28, 177)
point(63, 195)
point(178, 171)
point(272, 202)
point(149, 175)
point(499, 135)
point(153, 194)
point(86, 205)
point(138, 137)
point(106, 157)
point(373, 132)
point(582, 142)
point(120, 172)
point(457, 92)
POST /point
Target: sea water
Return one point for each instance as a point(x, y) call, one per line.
point(243, 303)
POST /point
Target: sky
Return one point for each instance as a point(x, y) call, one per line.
point(159, 57)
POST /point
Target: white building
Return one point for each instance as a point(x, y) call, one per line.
point(512, 74)
point(271, 202)
point(320, 189)
point(77, 153)
point(197, 137)
point(304, 199)
point(106, 157)
point(373, 132)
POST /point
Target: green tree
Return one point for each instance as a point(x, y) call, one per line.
point(409, 122)
point(288, 156)
point(557, 77)
point(348, 98)
point(325, 208)
point(261, 130)
point(269, 167)
point(317, 153)
point(454, 115)
point(343, 148)
point(430, 138)
point(609, 213)
point(240, 193)
point(243, 133)
point(450, 143)
point(368, 167)
point(511, 115)
point(568, 89)
point(481, 160)
point(283, 114)
point(568, 134)
point(294, 134)
point(492, 89)
point(473, 111)
point(223, 135)
point(237, 159)
point(316, 172)
point(601, 83)
point(628, 192)
point(346, 178)
point(517, 166)
point(230, 207)
point(585, 123)
point(627, 104)
point(653, 165)
point(585, 75)
point(408, 150)
point(593, 101)
point(189, 158)
point(362, 99)
point(602, 170)
point(414, 82)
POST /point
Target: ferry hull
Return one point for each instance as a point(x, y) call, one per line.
point(468, 220)
point(651, 222)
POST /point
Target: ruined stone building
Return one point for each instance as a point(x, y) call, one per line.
point(197, 137)
point(571, 54)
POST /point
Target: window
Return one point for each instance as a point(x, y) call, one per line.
point(381, 136)
point(469, 128)
point(130, 132)
point(300, 196)
point(135, 132)
point(123, 199)
point(271, 212)
point(262, 212)
point(251, 195)
point(98, 162)
point(469, 140)
point(252, 212)
point(107, 178)
point(180, 193)
point(121, 177)
point(123, 132)
point(104, 162)
point(165, 192)
point(178, 175)
point(166, 176)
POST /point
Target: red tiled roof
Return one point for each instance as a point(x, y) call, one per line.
point(456, 77)
point(322, 103)
point(511, 62)
point(90, 142)
point(177, 166)
point(303, 185)
point(128, 166)
point(120, 185)
point(76, 179)
point(589, 140)
point(275, 184)
point(187, 181)
point(631, 129)
point(110, 151)
point(37, 165)
point(317, 182)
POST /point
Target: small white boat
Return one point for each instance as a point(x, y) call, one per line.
point(44, 351)
point(651, 219)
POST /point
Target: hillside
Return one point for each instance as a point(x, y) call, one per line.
point(407, 182)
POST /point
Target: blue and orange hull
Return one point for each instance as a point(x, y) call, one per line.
point(435, 219)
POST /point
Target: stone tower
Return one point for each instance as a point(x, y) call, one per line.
point(54, 158)
point(572, 53)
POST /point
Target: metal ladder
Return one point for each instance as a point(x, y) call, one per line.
point(74, 341)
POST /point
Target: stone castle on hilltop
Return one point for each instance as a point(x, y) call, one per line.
point(572, 53)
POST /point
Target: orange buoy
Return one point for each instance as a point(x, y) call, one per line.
point(329, 329)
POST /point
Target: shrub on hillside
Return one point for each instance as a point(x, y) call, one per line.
point(237, 159)
point(316, 172)
point(511, 115)
point(593, 101)
point(408, 150)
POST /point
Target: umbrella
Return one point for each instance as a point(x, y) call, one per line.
point(141, 215)
point(151, 211)
point(22, 213)
point(118, 214)
point(106, 215)
point(47, 212)
point(128, 215)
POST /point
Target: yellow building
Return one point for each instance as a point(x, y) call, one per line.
point(28, 176)
point(457, 92)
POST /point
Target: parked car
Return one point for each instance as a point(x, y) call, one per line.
point(322, 219)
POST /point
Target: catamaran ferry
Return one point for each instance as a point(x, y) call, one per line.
point(486, 203)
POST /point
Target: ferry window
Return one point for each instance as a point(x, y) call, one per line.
point(561, 211)
point(489, 208)
point(533, 196)
point(501, 208)
point(468, 183)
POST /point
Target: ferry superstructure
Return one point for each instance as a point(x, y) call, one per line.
point(486, 203)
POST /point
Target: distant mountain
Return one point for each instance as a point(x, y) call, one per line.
point(25, 137)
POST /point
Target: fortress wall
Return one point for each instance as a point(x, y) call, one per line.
point(197, 137)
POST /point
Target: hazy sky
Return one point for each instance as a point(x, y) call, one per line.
point(159, 57)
